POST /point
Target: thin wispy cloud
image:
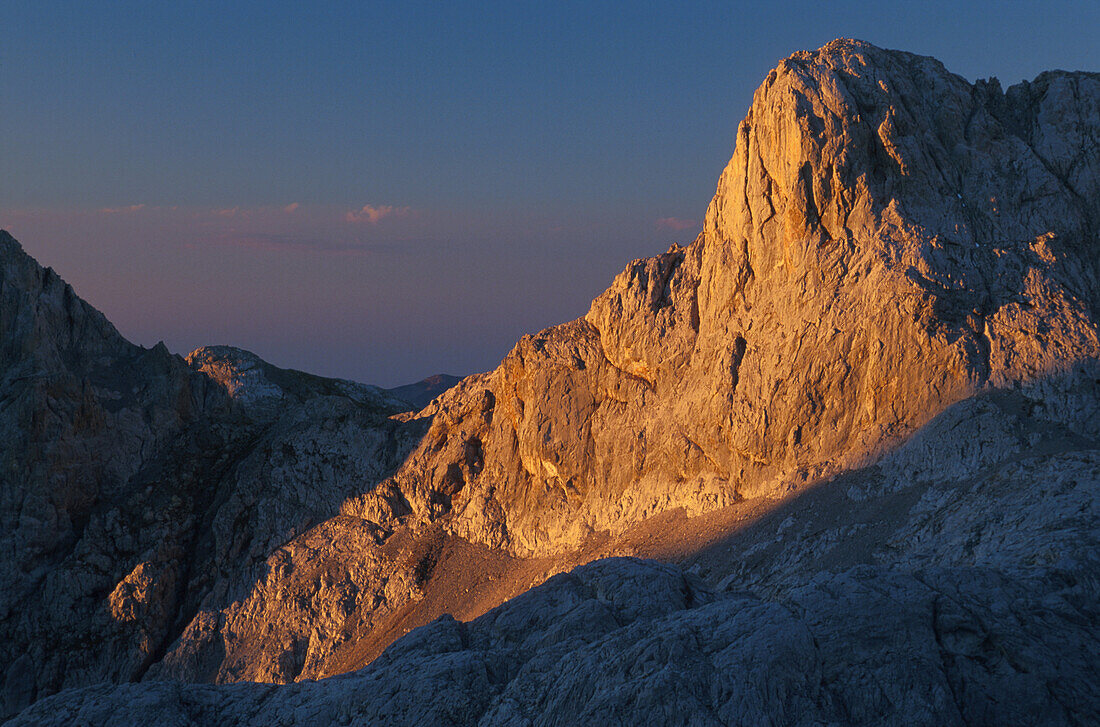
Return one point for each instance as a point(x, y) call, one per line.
point(291, 207)
point(372, 214)
point(122, 210)
point(675, 224)
point(265, 242)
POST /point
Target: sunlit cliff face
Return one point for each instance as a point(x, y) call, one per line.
point(847, 287)
point(893, 296)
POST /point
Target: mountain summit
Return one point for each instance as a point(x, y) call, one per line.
point(886, 241)
point(858, 419)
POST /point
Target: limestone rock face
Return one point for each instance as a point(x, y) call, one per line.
point(887, 240)
point(880, 354)
point(85, 415)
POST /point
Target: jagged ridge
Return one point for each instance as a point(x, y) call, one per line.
point(888, 241)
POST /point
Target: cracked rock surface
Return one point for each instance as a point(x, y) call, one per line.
point(880, 358)
point(886, 241)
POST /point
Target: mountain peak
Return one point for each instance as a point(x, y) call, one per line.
point(873, 371)
point(46, 325)
point(240, 372)
point(887, 239)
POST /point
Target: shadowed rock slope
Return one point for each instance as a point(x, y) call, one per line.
point(635, 642)
point(137, 485)
point(868, 393)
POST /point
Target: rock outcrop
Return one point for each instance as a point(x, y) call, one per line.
point(85, 415)
point(868, 393)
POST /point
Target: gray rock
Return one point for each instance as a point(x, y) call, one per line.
point(885, 334)
point(625, 641)
point(142, 492)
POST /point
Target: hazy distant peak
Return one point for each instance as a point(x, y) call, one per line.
point(420, 393)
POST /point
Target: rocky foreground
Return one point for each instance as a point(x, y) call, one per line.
point(858, 419)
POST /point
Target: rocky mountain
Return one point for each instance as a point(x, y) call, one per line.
point(857, 419)
point(136, 484)
point(886, 241)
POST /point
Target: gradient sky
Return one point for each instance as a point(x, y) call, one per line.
point(382, 191)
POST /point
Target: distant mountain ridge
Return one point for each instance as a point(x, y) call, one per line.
point(253, 382)
point(868, 393)
point(421, 393)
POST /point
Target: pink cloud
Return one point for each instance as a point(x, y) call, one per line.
point(116, 210)
point(675, 224)
point(372, 215)
point(290, 207)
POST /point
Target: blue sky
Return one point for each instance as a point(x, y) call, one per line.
point(383, 191)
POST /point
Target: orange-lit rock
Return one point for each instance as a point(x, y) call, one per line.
point(897, 282)
point(887, 240)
